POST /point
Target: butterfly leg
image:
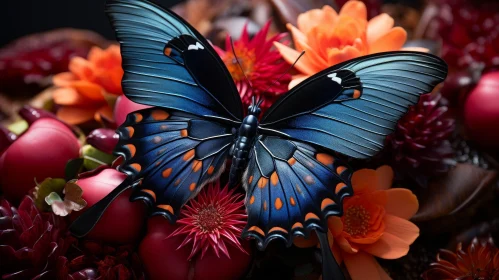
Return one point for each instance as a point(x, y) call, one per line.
point(330, 268)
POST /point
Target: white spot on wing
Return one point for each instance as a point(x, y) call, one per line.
point(333, 78)
point(197, 46)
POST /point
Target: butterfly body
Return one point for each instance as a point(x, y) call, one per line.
point(240, 150)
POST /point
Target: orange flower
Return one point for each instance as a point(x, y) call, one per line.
point(329, 38)
point(374, 224)
point(92, 84)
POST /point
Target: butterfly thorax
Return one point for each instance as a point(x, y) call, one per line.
point(246, 136)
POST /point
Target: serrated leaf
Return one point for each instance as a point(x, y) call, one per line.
point(45, 188)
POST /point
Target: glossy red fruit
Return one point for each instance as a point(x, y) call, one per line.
point(123, 221)
point(123, 107)
point(162, 260)
point(481, 111)
point(41, 152)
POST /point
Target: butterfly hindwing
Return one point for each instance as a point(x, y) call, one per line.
point(167, 63)
point(350, 108)
point(173, 155)
point(291, 189)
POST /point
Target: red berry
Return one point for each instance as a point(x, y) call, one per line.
point(41, 152)
point(123, 220)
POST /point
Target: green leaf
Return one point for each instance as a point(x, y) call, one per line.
point(93, 158)
point(73, 168)
point(18, 127)
point(44, 189)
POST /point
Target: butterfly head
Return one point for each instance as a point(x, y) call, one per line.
point(254, 108)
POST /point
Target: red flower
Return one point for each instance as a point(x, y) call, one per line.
point(212, 219)
point(262, 65)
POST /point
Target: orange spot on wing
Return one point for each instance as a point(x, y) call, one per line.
point(130, 130)
point(278, 204)
point(262, 182)
point(166, 207)
point(138, 117)
point(291, 161)
point(298, 189)
point(340, 169)
point(168, 51)
point(274, 179)
point(132, 149)
point(311, 216)
point(196, 165)
point(297, 225)
point(252, 199)
point(211, 169)
point(292, 201)
point(277, 229)
point(250, 179)
point(177, 182)
point(339, 187)
point(156, 139)
point(136, 166)
point(183, 133)
point(356, 93)
point(159, 115)
point(163, 127)
point(324, 159)
point(189, 155)
point(192, 187)
point(158, 162)
point(151, 193)
point(326, 202)
point(166, 173)
point(257, 229)
point(265, 205)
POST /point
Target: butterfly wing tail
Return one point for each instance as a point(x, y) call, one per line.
point(87, 220)
point(330, 268)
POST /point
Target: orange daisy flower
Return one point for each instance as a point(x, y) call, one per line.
point(91, 86)
point(329, 38)
point(374, 224)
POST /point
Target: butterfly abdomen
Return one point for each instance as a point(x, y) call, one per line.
point(246, 137)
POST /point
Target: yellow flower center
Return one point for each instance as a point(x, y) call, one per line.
point(356, 220)
point(245, 57)
point(208, 219)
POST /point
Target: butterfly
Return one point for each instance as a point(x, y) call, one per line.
point(287, 160)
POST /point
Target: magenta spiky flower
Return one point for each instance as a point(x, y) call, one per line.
point(212, 219)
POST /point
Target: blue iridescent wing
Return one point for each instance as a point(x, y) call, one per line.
point(351, 107)
point(171, 156)
point(291, 189)
point(167, 63)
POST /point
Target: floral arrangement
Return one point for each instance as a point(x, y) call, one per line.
point(424, 208)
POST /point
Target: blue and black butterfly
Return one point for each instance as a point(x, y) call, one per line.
point(286, 160)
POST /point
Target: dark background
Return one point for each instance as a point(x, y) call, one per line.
point(22, 17)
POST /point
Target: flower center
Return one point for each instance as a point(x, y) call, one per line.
point(356, 220)
point(208, 219)
point(245, 57)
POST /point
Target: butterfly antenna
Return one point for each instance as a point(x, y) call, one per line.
point(286, 72)
point(238, 63)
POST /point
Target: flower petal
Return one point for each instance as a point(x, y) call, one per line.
point(401, 203)
point(69, 96)
point(82, 68)
point(298, 37)
point(296, 80)
point(361, 266)
point(336, 252)
point(391, 41)
point(416, 49)
point(302, 242)
point(75, 115)
point(378, 26)
point(89, 90)
point(336, 55)
point(364, 180)
point(388, 246)
point(312, 18)
point(290, 55)
point(403, 229)
point(385, 177)
point(335, 225)
point(345, 245)
point(355, 9)
point(63, 79)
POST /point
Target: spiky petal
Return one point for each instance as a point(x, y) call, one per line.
point(261, 63)
point(215, 218)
